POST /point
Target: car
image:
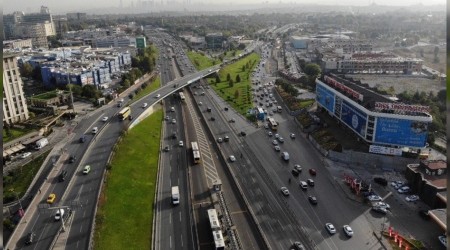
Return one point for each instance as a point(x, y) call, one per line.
point(94, 130)
point(51, 198)
point(412, 198)
point(208, 109)
point(181, 143)
point(130, 117)
point(174, 121)
point(330, 228)
point(348, 230)
point(424, 214)
point(312, 200)
point(382, 204)
point(82, 139)
point(219, 140)
point(25, 155)
point(213, 118)
point(277, 135)
point(310, 182)
point(226, 108)
point(232, 120)
point(270, 134)
point(275, 142)
point(59, 214)
point(295, 172)
point(86, 169)
point(379, 209)
point(277, 148)
point(374, 198)
point(62, 176)
point(30, 238)
point(298, 246)
point(144, 105)
point(172, 109)
point(380, 181)
point(404, 190)
point(266, 126)
point(226, 138)
point(303, 185)
point(200, 103)
point(167, 118)
point(312, 172)
point(280, 139)
point(292, 135)
point(298, 168)
point(232, 158)
point(285, 191)
point(243, 133)
point(72, 159)
point(104, 119)
point(158, 95)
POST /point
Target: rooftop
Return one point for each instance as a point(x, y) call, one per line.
point(439, 181)
point(435, 164)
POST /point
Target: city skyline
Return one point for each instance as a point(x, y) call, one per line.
point(58, 7)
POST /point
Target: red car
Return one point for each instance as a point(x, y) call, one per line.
point(312, 171)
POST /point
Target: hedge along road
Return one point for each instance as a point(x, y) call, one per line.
point(125, 216)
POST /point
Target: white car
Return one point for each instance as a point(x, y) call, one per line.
point(330, 228)
point(219, 140)
point(174, 121)
point(292, 135)
point(277, 135)
point(275, 142)
point(404, 190)
point(181, 144)
point(144, 105)
point(412, 198)
point(158, 95)
point(348, 230)
point(382, 204)
point(25, 155)
point(285, 191)
point(269, 134)
point(277, 148)
point(232, 158)
point(59, 214)
point(200, 103)
point(105, 118)
point(374, 198)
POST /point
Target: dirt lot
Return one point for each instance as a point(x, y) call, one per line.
point(401, 83)
point(428, 55)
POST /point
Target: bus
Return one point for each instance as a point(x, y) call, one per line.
point(181, 96)
point(219, 243)
point(195, 152)
point(213, 219)
point(214, 222)
point(273, 124)
point(124, 113)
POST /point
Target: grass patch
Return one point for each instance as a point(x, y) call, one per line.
point(152, 86)
point(305, 103)
point(46, 95)
point(124, 219)
point(201, 61)
point(238, 94)
point(14, 133)
point(18, 181)
point(232, 53)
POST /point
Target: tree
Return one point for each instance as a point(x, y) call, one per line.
point(217, 78)
point(76, 89)
point(231, 83)
point(243, 68)
point(26, 70)
point(126, 83)
point(312, 70)
point(228, 77)
point(37, 75)
point(236, 94)
point(238, 78)
point(89, 91)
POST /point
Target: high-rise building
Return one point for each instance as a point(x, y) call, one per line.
point(14, 104)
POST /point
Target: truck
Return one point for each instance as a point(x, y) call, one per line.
point(175, 195)
point(41, 143)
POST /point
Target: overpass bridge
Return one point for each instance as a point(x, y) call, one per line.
point(164, 91)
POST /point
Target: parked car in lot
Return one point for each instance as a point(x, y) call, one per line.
point(412, 198)
point(404, 190)
point(397, 184)
point(382, 204)
point(374, 198)
point(379, 209)
point(330, 228)
point(348, 230)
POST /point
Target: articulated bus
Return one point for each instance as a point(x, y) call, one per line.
point(195, 152)
point(273, 124)
point(219, 243)
point(124, 113)
point(181, 96)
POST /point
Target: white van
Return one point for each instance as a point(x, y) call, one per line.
point(285, 156)
point(95, 130)
point(175, 195)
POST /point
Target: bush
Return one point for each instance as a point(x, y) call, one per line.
point(131, 96)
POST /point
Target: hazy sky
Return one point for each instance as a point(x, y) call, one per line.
point(61, 6)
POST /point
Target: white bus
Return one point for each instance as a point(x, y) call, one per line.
point(175, 195)
point(195, 152)
point(213, 219)
point(219, 243)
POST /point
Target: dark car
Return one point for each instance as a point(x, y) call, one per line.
point(381, 181)
point(226, 138)
point(174, 135)
point(213, 119)
point(312, 199)
point(72, 159)
point(298, 246)
point(208, 109)
point(243, 133)
point(226, 108)
point(424, 214)
point(82, 138)
point(30, 238)
point(312, 171)
point(295, 172)
point(310, 182)
point(130, 118)
point(62, 176)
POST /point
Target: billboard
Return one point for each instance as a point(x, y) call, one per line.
point(401, 132)
point(354, 118)
point(385, 150)
point(325, 97)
